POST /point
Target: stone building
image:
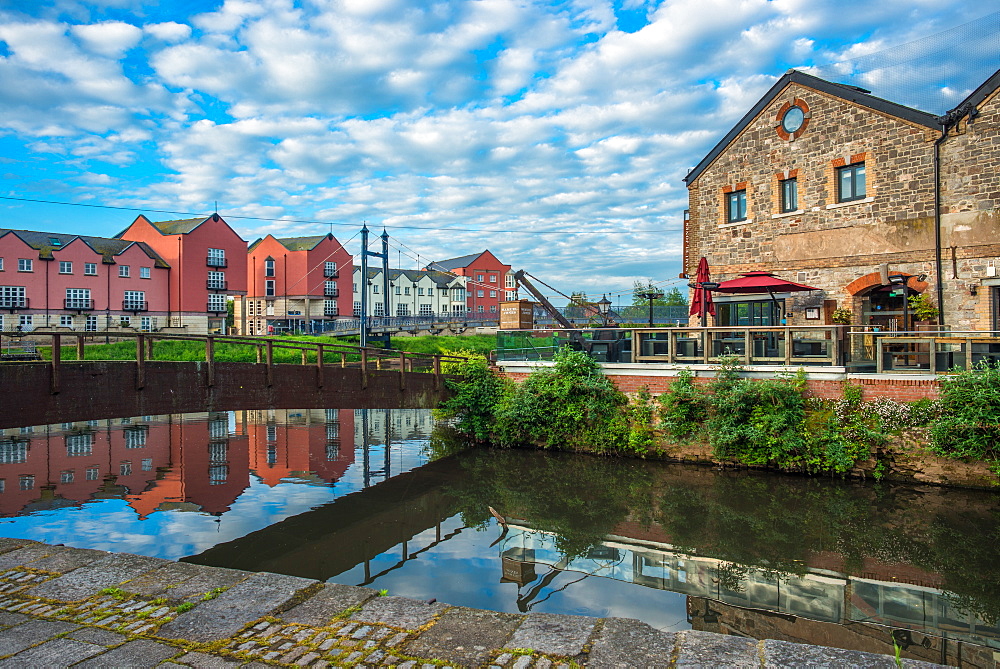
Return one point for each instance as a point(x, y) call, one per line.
point(827, 185)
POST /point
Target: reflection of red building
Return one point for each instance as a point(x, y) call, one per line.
point(297, 443)
point(153, 462)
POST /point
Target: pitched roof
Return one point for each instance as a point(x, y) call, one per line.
point(849, 93)
point(47, 242)
point(454, 263)
point(442, 279)
point(301, 243)
point(179, 227)
point(974, 99)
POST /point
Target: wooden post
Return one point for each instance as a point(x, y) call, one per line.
point(343, 359)
point(437, 372)
point(319, 365)
point(140, 362)
point(364, 368)
point(56, 362)
point(304, 356)
point(79, 347)
point(402, 370)
point(260, 354)
point(149, 347)
point(269, 350)
point(210, 358)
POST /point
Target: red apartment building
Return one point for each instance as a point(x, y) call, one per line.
point(485, 280)
point(294, 283)
point(208, 262)
point(84, 283)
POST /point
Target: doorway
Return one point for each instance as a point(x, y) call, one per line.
point(884, 307)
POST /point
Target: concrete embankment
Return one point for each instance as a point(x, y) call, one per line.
point(63, 606)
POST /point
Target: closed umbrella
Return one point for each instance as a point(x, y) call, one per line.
point(701, 302)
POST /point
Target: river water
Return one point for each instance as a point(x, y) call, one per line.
point(379, 498)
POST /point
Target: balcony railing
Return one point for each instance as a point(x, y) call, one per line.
point(217, 284)
point(78, 304)
point(214, 308)
point(331, 292)
point(135, 305)
point(12, 303)
point(331, 273)
point(330, 313)
point(217, 262)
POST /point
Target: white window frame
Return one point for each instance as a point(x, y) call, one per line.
point(65, 267)
point(66, 321)
point(269, 288)
point(144, 273)
point(90, 269)
point(90, 325)
point(123, 271)
point(219, 305)
point(25, 265)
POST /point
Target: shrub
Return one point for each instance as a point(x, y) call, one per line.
point(474, 399)
point(969, 424)
point(684, 409)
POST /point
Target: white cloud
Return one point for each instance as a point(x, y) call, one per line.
point(110, 38)
point(168, 31)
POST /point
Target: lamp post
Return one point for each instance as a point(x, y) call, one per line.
point(651, 295)
point(604, 306)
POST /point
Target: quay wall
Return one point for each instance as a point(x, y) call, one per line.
point(110, 389)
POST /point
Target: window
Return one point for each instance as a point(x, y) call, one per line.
point(736, 206)
point(66, 476)
point(217, 257)
point(216, 280)
point(65, 267)
point(851, 182)
point(406, 290)
point(27, 322)
point(146, 323)
point(25, 265)
point(330, 289)
point(493, 293)
point(125, 468)
point(216, 303)
point(354, 287)
point(90, 268)
point(357, 309)
point(330, 308)
point(78, 298)
point(330, 270)
point(147, 464)
point(93, 473)
point(458, 294)
point(123, 271)
point(479, 293)
point(493, 278)
point(426, 310)
point(398, 288)
point(268, 267)
point(379, 309)
point(479, 277)
point(79, 444)
point(480, 308)
point(66, 321)
point(135, 438)
point(143, 272)
point(27, 482)
point(789, 195)
point(269, 288)
point(91, 324)
point(1, 264)
point(135, 300)
point(420, 291)
point(493, 308)
point(402, 310)
point(12, 296)
point(375, 288)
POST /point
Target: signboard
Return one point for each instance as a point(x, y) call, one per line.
point(517, 315)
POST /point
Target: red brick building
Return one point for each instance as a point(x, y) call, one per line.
point(485, 281)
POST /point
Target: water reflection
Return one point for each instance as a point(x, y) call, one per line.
point(175, 485)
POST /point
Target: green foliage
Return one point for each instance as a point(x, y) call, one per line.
point(571, 405)
point(684, 409)
point(923, 307)
point(640, 414)
point(186, 606)
point(474, 398)
point(969, 423)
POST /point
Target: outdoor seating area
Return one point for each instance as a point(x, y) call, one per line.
point(857, 349)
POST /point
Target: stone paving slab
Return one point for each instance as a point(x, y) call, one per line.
point(627, 642)
point(700, 649)
point(219, 618)
point(16, 639)
point(9, 619)
point(96, 635)
point(400, 612)
point(206, 580)
point(205, 661)
point(466, 636)
point(7, 544)
point(141, 653)
point(110, 571)
point(68, 559)
point(25, 556)
point(322, 607)
point(553, 634)
point(165, 581)
point(54, 653)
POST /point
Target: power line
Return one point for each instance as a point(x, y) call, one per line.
point(332, 223)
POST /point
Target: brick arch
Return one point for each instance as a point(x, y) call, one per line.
point(864, 283)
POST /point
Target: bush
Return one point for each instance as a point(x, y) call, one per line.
point(571, 406)
point(474, 398)
point(969, 424)
point(684, 409)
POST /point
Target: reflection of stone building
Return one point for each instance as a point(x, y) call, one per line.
point(818, 606)
point(305, 444)
point(825, 184)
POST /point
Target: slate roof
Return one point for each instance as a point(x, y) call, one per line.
point(47, 242)
point(179, 227)
point(442, 279)
point(454, 263)
point(850, 93)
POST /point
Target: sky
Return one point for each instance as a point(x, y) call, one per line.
point(554, 133)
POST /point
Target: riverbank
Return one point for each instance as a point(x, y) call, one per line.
point(62, 606)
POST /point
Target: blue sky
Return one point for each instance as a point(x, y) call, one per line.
point(554, 133)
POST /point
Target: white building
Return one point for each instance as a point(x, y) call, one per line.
point(411, 293)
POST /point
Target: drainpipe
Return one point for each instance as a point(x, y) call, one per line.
point(938, 268)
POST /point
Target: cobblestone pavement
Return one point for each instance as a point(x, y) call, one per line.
point(64, 606)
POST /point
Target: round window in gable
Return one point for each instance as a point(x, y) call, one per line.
point(792, 119)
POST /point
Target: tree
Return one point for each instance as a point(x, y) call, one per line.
point(639, 288)
point(675, 298)
point(577, 307)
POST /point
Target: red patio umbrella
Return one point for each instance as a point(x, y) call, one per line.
point(701, 301)
point(759, 283)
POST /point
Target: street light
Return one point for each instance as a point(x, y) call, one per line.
point(651, 295)
point(604, 306)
